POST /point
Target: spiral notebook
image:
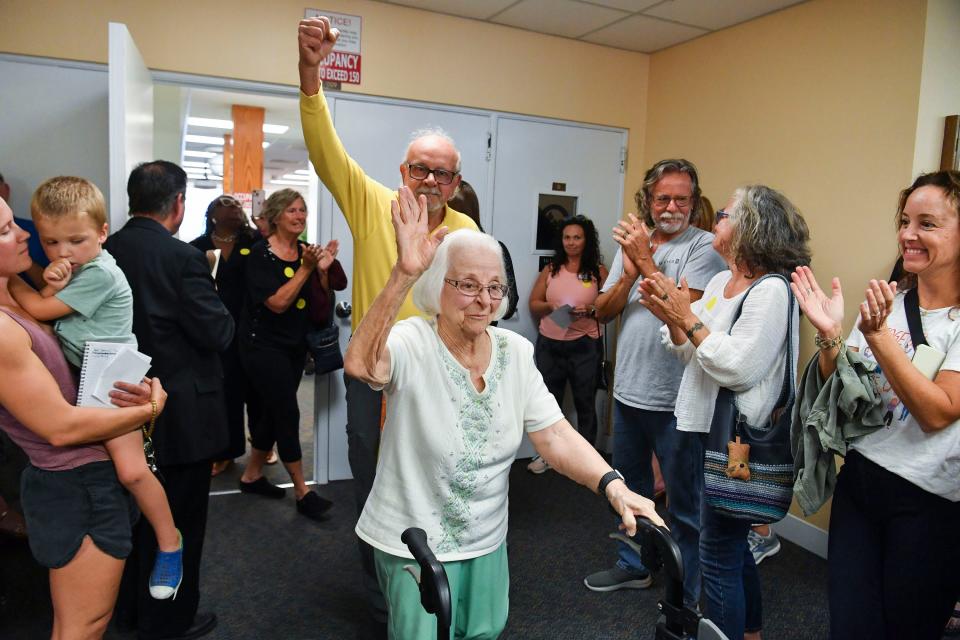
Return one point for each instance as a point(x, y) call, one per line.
point(105, 363)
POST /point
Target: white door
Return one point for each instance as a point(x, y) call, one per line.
point(131, 117)
point(376, 135)
point(531, 157)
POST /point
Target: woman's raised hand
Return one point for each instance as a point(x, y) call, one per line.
point(876, 308)
point(311, 256)
point(415, 245)
point(328, 254)
point(825, 314)
point(665, 300)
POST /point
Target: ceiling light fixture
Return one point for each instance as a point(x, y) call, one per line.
point(211, 140)
point(293, 183)
point(214, 123)
point(199, 154)
point(193, 163)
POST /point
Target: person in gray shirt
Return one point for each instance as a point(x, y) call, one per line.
point(647, 376)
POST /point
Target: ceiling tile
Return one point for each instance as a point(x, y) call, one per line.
point(716, 15)
point(559, 17)
point(633, 6)
point(639, 33)
point(479, 9)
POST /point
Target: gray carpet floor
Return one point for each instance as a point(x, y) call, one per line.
point(270, 573)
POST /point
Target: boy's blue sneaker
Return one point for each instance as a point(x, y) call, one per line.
point(167, 573)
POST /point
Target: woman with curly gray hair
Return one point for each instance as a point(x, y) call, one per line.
point(758, 233)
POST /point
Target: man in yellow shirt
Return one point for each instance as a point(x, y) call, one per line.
point(431, 168)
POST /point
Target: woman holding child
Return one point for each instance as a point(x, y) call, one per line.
point(83, 542)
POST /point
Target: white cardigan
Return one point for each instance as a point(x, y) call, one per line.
point(749, 360)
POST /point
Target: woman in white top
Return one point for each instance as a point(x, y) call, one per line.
point(759, 232)
point(894, 566)
point(460, 395)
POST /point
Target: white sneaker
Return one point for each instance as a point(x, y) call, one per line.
point(538, 465)
point(763, 546)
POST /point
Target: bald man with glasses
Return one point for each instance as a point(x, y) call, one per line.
point(431, 167)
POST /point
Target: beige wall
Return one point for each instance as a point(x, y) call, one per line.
point(940, 83)
point(819, 101)
point(407, 53)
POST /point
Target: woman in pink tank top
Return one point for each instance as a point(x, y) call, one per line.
point(568, 344)
point(75, 536)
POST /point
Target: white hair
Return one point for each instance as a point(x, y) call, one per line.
point(431, 131)
point(426, 291)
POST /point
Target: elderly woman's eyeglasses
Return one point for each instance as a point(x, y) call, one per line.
point(663, 201)
point(472, 288)
point(420, 172)
point(721, 215)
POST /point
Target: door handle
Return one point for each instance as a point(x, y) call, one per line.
point(343, 309)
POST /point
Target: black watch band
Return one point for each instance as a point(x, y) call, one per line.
point(607, 478)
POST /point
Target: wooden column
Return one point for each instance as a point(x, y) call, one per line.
point(228, 163)
point(247, 148)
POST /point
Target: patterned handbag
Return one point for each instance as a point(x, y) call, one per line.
point(761, 492)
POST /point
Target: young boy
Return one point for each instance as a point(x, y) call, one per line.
point(88, 297)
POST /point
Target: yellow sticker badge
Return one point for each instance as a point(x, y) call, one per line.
point(244, 251)
point(711, 303)
point(288, 272)
point(301, 303)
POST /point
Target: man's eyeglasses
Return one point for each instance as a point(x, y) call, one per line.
point(663, 201)
point(472, 288)
point(720, 215)
point(228, 201)
point(420, 172)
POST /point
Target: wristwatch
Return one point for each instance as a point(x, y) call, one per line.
point(607, 478)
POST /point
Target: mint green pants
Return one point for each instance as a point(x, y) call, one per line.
point(479, 592)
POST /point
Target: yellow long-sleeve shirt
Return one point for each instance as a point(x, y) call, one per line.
point(366, 206)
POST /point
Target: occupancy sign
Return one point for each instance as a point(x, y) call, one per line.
point(343, 63)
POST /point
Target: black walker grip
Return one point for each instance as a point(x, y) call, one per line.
point(434, 587)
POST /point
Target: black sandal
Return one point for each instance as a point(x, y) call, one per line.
point(313, 506)
point(262, 486)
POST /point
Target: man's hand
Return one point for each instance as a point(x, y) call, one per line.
point(631, 234)
point(316, 38)
point(58, 274)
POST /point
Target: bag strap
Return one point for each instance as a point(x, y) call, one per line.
point(602, 336)
point(911, 303)
point(788, 389)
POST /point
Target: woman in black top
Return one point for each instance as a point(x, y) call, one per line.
point(228, 230)
point(284, 276)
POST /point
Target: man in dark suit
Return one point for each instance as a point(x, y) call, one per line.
point(180, 322)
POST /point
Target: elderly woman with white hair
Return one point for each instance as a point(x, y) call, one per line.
point(460, 395)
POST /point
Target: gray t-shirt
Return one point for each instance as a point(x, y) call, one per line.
point(647, 375)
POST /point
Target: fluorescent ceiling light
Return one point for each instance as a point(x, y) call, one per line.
point(228, 124)
point(302, 172)
point(294, 176)
point(266, 144)
point(203, 139)
point(294, 183)
point(199, 154)
point(191, 163)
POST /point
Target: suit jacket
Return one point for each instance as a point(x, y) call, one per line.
point(181, 324)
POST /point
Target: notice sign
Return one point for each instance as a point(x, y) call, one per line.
point(343, 63)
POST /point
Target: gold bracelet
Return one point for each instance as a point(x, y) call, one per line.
point(825, 345)
point(148, 429)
